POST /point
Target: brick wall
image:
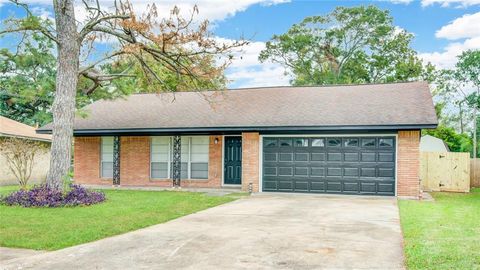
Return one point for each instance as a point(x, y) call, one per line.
point(135, 163)
point(134, 160)
point(250, 160)
point(408, 164)
point(86, 162)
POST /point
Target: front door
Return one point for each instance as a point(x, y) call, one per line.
point(233, 160)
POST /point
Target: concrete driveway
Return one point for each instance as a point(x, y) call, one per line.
point(274, 231)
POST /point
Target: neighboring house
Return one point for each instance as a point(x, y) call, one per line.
point(11, 128)
point(359, 139)
point(432, 144)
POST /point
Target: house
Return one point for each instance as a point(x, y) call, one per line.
point(11, 128)
point(359, 139)
point(432, 144)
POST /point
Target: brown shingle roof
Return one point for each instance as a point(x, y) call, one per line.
point(12, 128)
point(397, 104)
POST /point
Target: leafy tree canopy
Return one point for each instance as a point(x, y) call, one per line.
point(349, 45)
point(27, 80)
point(456, 142)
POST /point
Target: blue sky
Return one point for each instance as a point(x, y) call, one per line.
point(442, 28)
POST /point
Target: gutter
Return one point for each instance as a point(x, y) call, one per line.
point(263, 129)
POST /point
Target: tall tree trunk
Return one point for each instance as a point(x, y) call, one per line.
point(65, 90)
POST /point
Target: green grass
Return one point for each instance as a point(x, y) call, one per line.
point(444, 234)
point(124, 210)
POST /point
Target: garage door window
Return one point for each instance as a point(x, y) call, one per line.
point(351, 142)
point(333, 142)
point(368, 142)
point(300, 142)
point(286, 142)
point(318, 142)
point(385, 142)
point(270, 143)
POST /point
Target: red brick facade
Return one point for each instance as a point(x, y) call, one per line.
point(250, 160)
point(135, 163)
point(86, 161)
point(408, 164)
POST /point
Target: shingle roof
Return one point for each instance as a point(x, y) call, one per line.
point(12, 128)
point(396, 104)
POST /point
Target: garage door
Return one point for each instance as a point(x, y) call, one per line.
point(344, 165)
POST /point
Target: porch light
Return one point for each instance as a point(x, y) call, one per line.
point(216, 140)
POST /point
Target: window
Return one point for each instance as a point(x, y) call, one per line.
point(333, 142)
point(194, 157)
point(199, 158)
point(270, 142)
point(160, 157)
point(318, 143)
point(301, 142)
point(385, 142)
point(368, 142)
point(106, 156)
point(350, 142)
point(285, 142)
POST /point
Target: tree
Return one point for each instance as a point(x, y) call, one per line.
point(456, 142)
point(27, 80)
point(167, 41)
point(20, 155)
point(460, 87)
point(349, 45)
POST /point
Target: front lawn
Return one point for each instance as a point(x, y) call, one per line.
point(444, 234)
point(124, 210)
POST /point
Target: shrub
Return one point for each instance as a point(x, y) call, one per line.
point(43, 196)
point(20, 156)
point(79, 195)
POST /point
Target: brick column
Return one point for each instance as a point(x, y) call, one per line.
point(135, 160)
point(408, 164)
point(250, 160)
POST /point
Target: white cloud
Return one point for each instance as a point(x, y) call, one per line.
point(467, 33)
point(213, 10)
point(247, 71)
point(449, 3)
point(405, 2)
point(448, 57)
point(442, 3)
point(467, 26)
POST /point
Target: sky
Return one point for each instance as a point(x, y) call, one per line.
point(442, 28)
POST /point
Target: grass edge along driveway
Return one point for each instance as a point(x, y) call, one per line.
point(124, 211)
point(444, 234)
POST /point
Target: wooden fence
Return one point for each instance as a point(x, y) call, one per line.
point(445, 171)
point(475, 172)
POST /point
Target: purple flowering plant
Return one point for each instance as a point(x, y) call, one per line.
point(44, 196)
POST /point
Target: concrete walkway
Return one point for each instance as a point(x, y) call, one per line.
point(260, 232)
point(8, 254)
